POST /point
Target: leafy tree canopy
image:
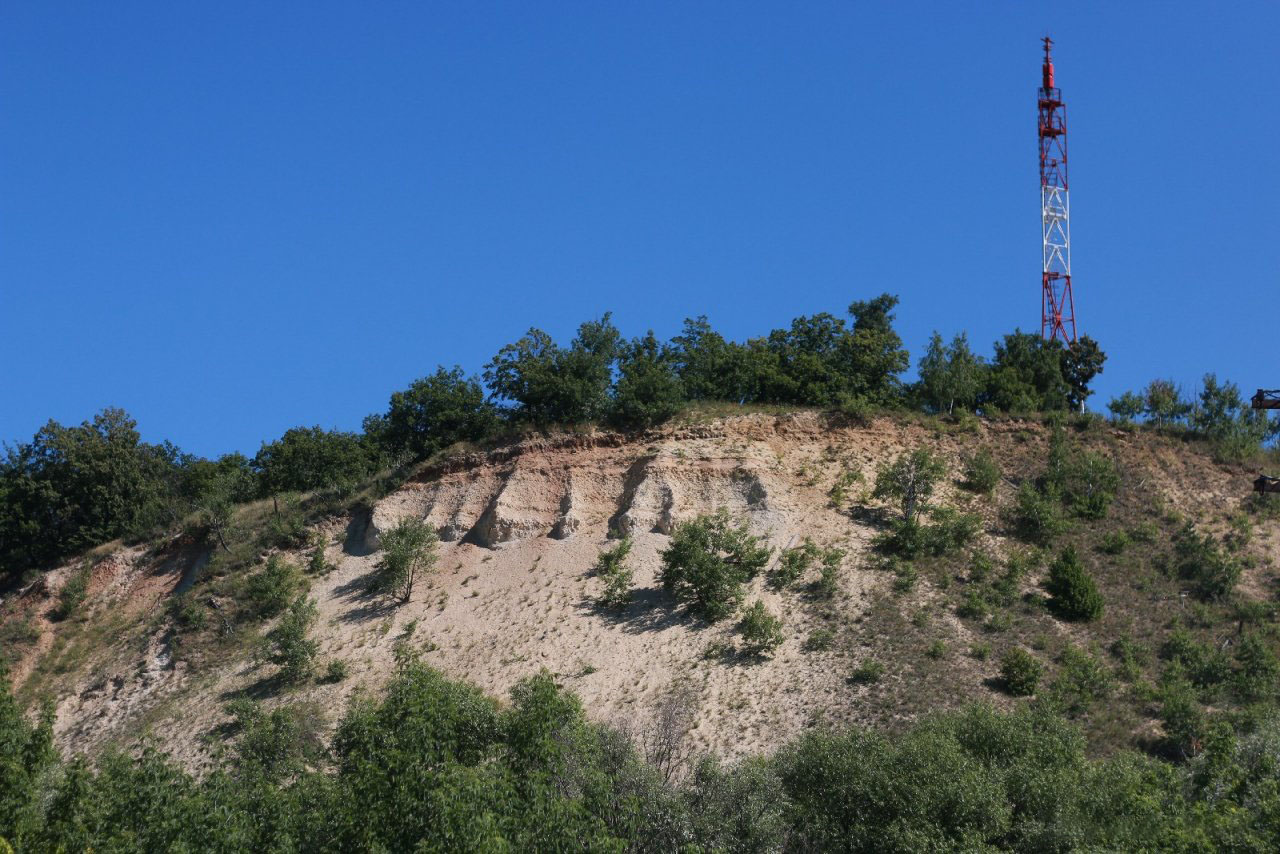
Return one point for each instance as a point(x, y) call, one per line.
point(436, 411)
point(307, 458)
point(1026, 375)
point(74, 487)
point(951, 375)
point(708, 561)
point(549, 384)
point(649, 390)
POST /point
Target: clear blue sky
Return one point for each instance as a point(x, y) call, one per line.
point(233, 218)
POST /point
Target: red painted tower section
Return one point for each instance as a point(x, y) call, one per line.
point(1057, 311)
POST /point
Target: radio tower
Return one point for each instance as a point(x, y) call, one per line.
point(1058, 311)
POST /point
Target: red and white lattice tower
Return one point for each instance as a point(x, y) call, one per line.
point(1058, 311)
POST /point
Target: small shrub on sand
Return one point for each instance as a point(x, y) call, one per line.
point(1021, 672)
point(617, 576)
point(981, 472)
point(761, 631)
point(1073, 594)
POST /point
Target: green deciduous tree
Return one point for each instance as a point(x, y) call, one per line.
point(1021, 672)
point(26, 751)
point(270, 591)
point(792, 564)
point(1026, 375)
point(270, 745)
point(1090, 484)
point(436, 411)
point(648, 390)
point(230, 479)
point(1162, 403)
point(408, 551)
point(74, 487)
point(214, 488)
point(950, 375)
point(1201, 560)
point(910, 481)
point(1258, 676)
point(708, 561)
point(612, 568)
point(289, 647)
point(981, 472)
point(1082, 360)
point(549, 384)
point(761, 631)
point(818, 361)
point(806, 364)
point(873, 351)
point(1126, 407)
point(1221, 415)
point(1082, 681)
point(308, 458)
point(709, 367)
point(435, 765)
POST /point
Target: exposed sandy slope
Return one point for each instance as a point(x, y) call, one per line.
point(513, 592)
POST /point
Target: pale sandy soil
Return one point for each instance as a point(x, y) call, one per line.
point(513, 591)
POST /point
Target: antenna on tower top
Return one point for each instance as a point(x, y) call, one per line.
point(1057, 313)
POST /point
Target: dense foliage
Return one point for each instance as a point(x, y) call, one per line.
point(910, 480)
point(1073, 594)
point(307, 458)
point(434, 412)
point(74, 487)
point(269, 591)
point(550, 384)
point(617, 576)
point(708, 562)
point(1020, 671)
point(288, 646)
point(408, 551)
point(438, 766)
point(761, 631)
point(1075, 482)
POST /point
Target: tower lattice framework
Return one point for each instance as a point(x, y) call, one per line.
point(1058, 313)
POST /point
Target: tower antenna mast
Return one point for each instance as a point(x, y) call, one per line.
point(1057, 310)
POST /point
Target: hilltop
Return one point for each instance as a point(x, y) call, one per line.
point(693, 595)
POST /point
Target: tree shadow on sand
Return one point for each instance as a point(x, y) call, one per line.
point(651, 609)
point(365, 603)
point(263, 688)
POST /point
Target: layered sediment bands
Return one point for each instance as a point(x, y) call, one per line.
point(560, 494)
point(460, 499)
point(644, 504)
point(527, 505)
point(662, 490)
point(569, 520)
point(559, 487)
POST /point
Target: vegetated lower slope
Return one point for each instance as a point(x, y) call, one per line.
point(164, 639)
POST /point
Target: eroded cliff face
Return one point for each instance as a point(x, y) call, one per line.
point(558, 492)
point(513, 590)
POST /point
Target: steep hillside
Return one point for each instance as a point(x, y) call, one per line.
point(163, 639)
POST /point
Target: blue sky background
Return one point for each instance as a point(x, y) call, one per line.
point(233, 218)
